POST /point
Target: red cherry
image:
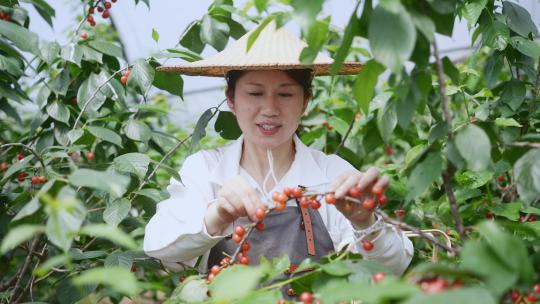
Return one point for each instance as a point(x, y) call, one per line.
point(489, 215)
point(280, 207)
point(281, 301)
point(84, 35)
point(378, 276)
point(531, 298)
point(240, 230)
point(90, 19)
point(42, 179)
point(225, 261)
point(290, 292)
point(536, 287)
point(244, 260)
point(127, 72)
point(377, 190)
point(282, 198)
point(92, 23)
point(181, 279)
point(90, 156)
point(20, 156)
point(100, 9)
point(2, 15)
point(315, 204)
point(382, 199)
point(330, 198)
point(107, 5)
point(90, 10)
point(236, 238)
point(500, 179)
point(514, 295)
point(297, 192)
point(4, 166)
point(260, 214)
point(368, 203)
point(306, 297)
point(304, 202)
point(124, 79)
point(532, 218)
point(105, 14)
point(215, 269)
point(246, 246)
point(210, 277)
point(34, 180)
point(133, 267)
point(288, 191)
point(388, 150)
point(355, 192)
point(21, 176)
point(400, 213)
point(367, 245)
point(260, 226)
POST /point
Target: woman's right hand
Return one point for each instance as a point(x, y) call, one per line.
point(235, 199)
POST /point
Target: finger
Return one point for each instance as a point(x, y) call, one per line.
point(226, 211)
point(371, 175)
point(236, 201)
point(338, 182)
point(248, 200)
point(351, 180)
point(382, 182)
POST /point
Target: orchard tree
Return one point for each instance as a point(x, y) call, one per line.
point(87, 147)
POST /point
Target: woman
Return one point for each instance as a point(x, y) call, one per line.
point(268, 90)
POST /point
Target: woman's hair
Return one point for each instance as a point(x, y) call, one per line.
point(301, 76)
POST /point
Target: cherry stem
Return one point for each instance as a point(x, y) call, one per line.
point(27, 148)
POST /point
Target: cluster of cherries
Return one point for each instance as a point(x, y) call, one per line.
point(76, 156)
point(125, 75)
point(102, 7)
point(21, 177)
point(532, 297)
point(5, 16)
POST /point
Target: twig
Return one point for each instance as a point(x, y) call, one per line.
point(23, 268)
point(450, 170)
point(27, 148)
point(342, 143)
point(523, 144)
point(532, 105)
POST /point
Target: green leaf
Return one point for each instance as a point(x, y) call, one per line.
point(105, 134)
point(19, 234)
point(155, 35)
point(513, 94)
point(527, 176)
point(89, 54)
point(115, 184)
point(136, 163)
point(74, 135)
point(474, 146)
point(58, 111)
point(424, 174)
point(235, 282)
point(22, 38)
point(192, 291)
point(510, 210)
point(392, 36)
point(119, 279)
point(137, 130)
point(200, 127)
point(506, 122)
point(496, 35)
point(364, 85)
point(316, 37)
point(191, 38)
point(214, 32)
point(153, 194)
point(227, 126)
point(141, 75)
point(473, 180)
point(11, 65)
point(450, 70)
point(518, 19)
point(170, 83)
point(44, 10)
point(387, 120)
point(425, 25)
point(116, 211)
point(60, 83)
point(526, 46)
point(33, 205)
point(255, 33)
point(16, 167)
point(111, 233)
point(467, 295)
point(261, 5)
point(350, 32)
point(49, 51)
point(72, 52)
point(336, 268)
point(106, 47)
point(472, 11)
point(262, 297)
point(88, 93)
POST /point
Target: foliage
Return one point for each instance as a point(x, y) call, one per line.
point(458, 138)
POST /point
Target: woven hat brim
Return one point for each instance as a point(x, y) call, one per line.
point(319, 69)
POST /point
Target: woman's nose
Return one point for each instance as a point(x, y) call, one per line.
point(270, 106)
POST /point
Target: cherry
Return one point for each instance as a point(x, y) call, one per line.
point(124, 79)
point(368, 203)
point(240, 230)
point(225, 261)
point(244, 260)
point(133, 267)
point(20, 156)
point(84, 35)
point(215, 270)
point(400, 213)
point(236, 238)
point(377, 190)
point(90, 19)
point(113, 1)
point(90, 10)
point(210, 277)
point(304, 202)
point(500, 179)
point(514, 295)
point(279, 197)
point(260, 226)
point(382, 199)
point(260, 214)
point(75, 156)
point(100, 9)
point(489, 215)
point(330, 198)
point(4, 166)
point(280, 207)
point(181, 279)
point(281, 301)
point(306, 297)
point(34, 180)
point(388, 150)
point(90, 156)
point(531, 298)
point(355, 192)
point(367, 245)
point(42, 179)
point(315, 204)
point(246, 246)
point(297, 192)
point(378, 276)
point(105, 14)
point(532, 218)
point(107, 5)
point(290, 292)
point(21, 176)
point(288, 191)
point(536, 287)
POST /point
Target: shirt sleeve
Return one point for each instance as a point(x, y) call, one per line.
point(391, 247)
point(176, 233)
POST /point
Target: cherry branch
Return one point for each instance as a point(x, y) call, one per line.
point(27, 148)
point(532, 104)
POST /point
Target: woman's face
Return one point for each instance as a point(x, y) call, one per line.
point(268, 106)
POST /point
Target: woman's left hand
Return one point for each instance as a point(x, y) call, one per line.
point(363, 182)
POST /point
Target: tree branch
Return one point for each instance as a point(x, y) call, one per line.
point(27, 148)
point(342, 143)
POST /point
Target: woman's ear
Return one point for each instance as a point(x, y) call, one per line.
point(230, 100)
point(307, 99)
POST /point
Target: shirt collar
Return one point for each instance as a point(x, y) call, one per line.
point(304, 170)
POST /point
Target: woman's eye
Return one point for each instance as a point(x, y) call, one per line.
point(255, 94)
point(285, 94)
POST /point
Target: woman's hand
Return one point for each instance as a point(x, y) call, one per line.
point(235, 199)
point(361, 182)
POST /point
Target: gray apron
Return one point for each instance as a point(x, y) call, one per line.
point(284, 234)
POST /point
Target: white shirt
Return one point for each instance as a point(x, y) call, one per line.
point(177, 234)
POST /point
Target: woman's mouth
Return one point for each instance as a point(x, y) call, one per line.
point(267, 129)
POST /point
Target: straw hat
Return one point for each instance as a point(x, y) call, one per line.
point(273, 49)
